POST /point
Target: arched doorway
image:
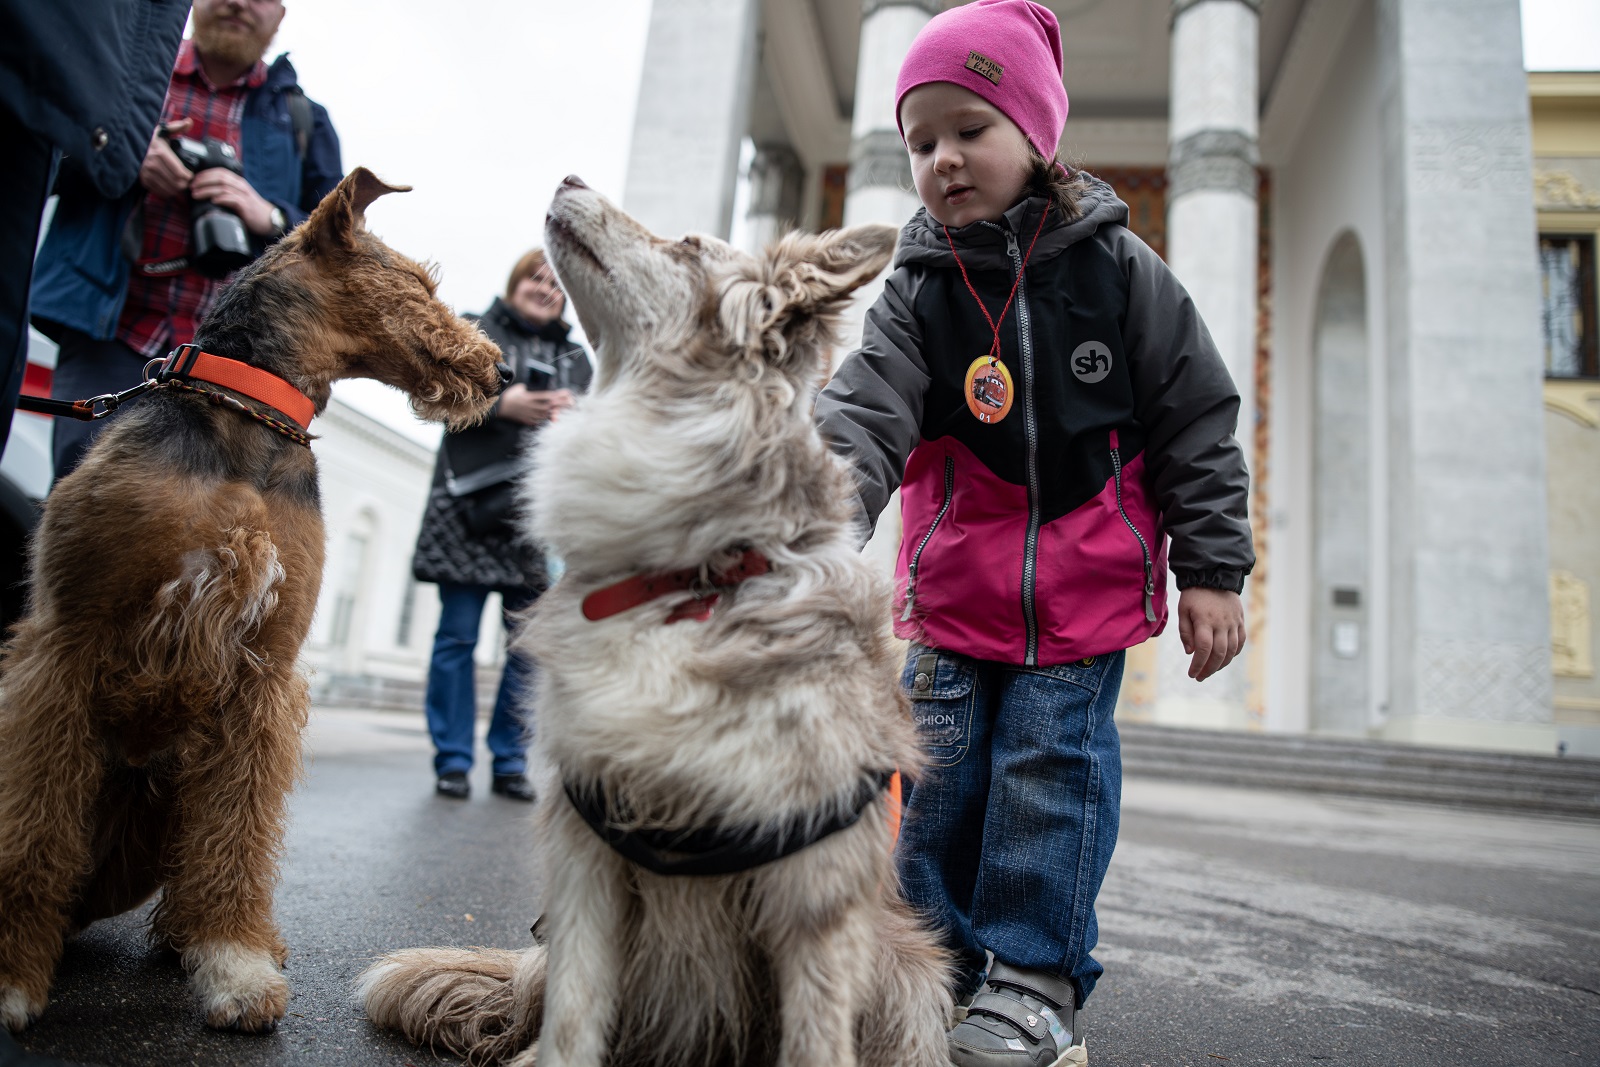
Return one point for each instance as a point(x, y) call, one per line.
point(1341, 497)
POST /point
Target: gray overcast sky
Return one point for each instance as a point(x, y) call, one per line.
point(484, 105)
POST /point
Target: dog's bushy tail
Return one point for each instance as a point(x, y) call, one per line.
point(485, 1004)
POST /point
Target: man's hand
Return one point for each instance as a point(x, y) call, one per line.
point(524, 405)
point(229, 190)
point(161, 173)
point(1211, 625)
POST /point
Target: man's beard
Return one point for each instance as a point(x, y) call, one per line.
point(230, 45)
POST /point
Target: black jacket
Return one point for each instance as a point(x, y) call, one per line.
point(1038, 536)
point(472, 532)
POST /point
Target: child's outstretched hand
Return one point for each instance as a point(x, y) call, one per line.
point(1211, 625)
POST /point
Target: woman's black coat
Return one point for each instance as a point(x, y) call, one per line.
point(471, 533)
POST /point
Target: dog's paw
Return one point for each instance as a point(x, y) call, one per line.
point(17, 1009)
point(239, 988)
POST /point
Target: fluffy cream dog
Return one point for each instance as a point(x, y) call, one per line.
point(735, 692)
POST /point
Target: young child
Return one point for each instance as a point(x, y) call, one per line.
point(1045, 396)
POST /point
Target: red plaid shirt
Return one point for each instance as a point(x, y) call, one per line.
point(163, 311)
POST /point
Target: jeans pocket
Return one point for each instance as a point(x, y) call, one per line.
point(942, 702)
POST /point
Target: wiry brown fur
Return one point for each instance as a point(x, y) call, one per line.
point(150, 705)
point(698, 441)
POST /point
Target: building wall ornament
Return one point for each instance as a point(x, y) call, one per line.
point(1485, 681)
point(1213, 159)
point(1561, 189)
point(879, 159)
point(1574, 399)
point(1571, 637)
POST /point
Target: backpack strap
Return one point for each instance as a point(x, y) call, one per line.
point(300, 118)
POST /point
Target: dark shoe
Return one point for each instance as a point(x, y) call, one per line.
point(514, 786)
point(1019, 1018)
point(453, 784)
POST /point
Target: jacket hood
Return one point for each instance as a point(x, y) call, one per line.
point(983, 244)
point(281, 73)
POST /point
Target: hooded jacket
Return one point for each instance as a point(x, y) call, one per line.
point(80, 278)
point(1041, 537)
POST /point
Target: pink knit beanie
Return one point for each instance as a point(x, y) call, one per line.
point(1006, 51)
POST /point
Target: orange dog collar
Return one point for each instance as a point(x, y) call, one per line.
point(187, 361)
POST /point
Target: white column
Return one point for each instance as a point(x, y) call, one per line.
point(777, 179)
point(694, 99)
point(879, 187)
point(1468, 529)
point(1211, 247)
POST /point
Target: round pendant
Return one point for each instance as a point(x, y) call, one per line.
point(988, 389)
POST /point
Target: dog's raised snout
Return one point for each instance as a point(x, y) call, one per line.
point(572, 181)
point(504, 370)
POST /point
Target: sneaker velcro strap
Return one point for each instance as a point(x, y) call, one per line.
point(1057, 991)
point(1012, 1011)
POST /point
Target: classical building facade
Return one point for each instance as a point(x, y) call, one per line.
point(1347, 188)
point(1566, 182)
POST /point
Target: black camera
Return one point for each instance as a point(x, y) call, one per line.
point(218, 242)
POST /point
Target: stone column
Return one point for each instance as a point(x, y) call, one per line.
point(1468, 527)
point(777, 179)
point(879, 187)
point(1211, 246)
point(694, 99)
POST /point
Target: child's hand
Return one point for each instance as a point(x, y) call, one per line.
point(1211, 626)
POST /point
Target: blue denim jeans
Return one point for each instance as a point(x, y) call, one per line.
point(452, 693)
point(1008, 833)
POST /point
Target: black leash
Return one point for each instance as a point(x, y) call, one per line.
point(96, 407)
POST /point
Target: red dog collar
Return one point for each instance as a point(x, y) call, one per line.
point(642, 588)
point(187, 361)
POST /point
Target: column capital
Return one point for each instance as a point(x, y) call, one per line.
point(1213, 159)
point(879, 158)
point(776, 177)
point(1181, 6)
point(870, 7)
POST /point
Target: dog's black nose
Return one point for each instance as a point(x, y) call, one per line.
point(505, 374)
point(573, 181)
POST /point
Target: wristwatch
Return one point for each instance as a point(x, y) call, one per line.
point(280, 221)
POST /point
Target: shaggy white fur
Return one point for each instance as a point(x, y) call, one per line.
point(696, 444)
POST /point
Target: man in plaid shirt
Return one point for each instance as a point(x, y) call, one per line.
point(112, 286)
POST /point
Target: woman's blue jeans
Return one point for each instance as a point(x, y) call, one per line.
point(452, 691)
point(1008, 833)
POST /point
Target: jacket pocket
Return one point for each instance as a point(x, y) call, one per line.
point(1144, 546)
point(916, 557)
point(943, 700)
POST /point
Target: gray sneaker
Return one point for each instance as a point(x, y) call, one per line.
point(1019, 1018)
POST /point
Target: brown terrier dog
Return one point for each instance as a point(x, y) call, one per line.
point(152, 709)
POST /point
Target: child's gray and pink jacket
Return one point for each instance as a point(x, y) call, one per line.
point(1042, 537)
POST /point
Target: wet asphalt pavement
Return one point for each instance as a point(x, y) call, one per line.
point(1237, 927)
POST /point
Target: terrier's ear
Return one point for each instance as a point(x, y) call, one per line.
point(789, 303)
point(334, 224)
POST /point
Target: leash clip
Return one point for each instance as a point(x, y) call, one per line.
point(107, 403)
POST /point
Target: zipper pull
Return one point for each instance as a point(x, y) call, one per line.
point(1012, 249)
point(911, 598)
point(1149, 596)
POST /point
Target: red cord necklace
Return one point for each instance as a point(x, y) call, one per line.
point(989, 388)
